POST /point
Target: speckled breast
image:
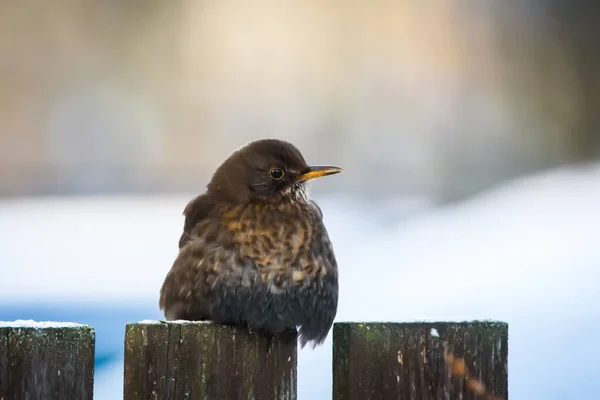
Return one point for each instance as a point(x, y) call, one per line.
point(286, 242)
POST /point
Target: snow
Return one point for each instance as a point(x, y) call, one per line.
point(525, 253)
point(149, 322)
point(177, 321)
point(94, 249)
point(184, 322)
point(20, 323)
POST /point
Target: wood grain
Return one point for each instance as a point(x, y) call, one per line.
point(406, 360)
point(47, 363)
point(199, 360)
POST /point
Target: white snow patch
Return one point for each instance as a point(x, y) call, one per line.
point(183, 321)
point(21, 323)
point(177, 321)
point(433, 332)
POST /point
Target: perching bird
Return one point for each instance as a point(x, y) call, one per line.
point(254, 250)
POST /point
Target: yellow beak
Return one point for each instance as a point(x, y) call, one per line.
point(319, 171)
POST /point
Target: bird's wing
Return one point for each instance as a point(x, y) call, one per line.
point(195, 211)
point(183, 293)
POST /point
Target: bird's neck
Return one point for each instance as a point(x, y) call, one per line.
point(297, 194)
point(290, 204)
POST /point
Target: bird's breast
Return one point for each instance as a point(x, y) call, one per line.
point(286, 249)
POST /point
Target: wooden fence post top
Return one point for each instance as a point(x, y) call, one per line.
point(148, 322)
point(205, 360)
point(475, 323)
point(46, 359)
point(208, 330)
point(425, 360)
point(440, 326)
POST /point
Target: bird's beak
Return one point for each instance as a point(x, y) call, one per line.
point(318, 171)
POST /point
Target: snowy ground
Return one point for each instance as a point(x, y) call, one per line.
point(526, 253)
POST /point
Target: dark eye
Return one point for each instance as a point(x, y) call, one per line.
point(276, 173)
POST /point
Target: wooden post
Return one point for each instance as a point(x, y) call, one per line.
point(203, 360)
point(407, 360)
point(46, 360)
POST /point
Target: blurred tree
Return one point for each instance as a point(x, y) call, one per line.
point(578, 24)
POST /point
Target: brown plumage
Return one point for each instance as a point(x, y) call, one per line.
point(254, 250)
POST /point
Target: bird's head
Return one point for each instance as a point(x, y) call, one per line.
point(265, 169)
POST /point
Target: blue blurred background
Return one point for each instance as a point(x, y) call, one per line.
point(469, 133)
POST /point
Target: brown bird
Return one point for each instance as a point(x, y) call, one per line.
point(254, 250)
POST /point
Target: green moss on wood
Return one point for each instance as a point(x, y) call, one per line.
point(404, 360)
point(47, 362)
point(204, 361)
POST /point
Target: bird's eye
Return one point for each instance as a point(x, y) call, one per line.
point(276, 173)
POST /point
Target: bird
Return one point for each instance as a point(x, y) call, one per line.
point(254, 250)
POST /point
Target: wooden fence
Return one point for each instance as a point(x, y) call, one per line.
point(195, 360)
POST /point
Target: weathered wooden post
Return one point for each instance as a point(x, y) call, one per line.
point(409, 360)
point(203, 360)
point(46, 360)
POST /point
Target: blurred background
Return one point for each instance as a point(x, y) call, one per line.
point(468, 131)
